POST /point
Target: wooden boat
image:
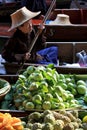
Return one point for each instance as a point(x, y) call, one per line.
point(68, 33)
point(11, 70)
point(77, 31)
point(66, 55)
point(69, 39)
point(67, 50)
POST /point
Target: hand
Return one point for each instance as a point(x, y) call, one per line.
point(22, 57)
point(27, 56)
point(41, 27)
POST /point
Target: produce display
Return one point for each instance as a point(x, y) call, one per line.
point(51, 120)
point(43, 88)
point(46, 120)
point(7, 122)
point(55, 101)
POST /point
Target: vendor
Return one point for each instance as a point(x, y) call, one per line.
point(17, 47)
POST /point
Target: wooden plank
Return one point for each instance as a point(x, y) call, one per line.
point(66, 33)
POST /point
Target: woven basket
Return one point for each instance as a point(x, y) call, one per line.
point(4, 88)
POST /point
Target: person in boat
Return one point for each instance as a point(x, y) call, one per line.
point(17, 47)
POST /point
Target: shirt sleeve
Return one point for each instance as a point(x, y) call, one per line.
point(8, 50)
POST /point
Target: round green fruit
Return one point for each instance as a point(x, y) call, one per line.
point(64, 85)
point(29, 106)
point(48, 97)
point(46, 105)
point(37, 99)
point(81, 89)
point(81, 82)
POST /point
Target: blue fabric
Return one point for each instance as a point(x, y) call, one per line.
point(48, 21)
point(50, 55)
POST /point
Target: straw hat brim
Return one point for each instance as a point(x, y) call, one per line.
point(20, 17)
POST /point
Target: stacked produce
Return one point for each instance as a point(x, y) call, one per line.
point(7, 122)
point(42, 88)
point(51, 120)
point(46, 120)
point(56, 99)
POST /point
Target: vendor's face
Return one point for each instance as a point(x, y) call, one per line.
point(26, 27)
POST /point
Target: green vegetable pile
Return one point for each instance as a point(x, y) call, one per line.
point(42, 88)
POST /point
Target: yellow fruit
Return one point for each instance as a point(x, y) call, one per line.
point(85, 119)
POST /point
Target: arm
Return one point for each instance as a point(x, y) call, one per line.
point(13, 52)
point(8, 51)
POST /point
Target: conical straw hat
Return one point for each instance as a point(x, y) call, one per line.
point(61, 19)
point(20, 16)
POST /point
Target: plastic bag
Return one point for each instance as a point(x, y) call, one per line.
point(82, 58)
